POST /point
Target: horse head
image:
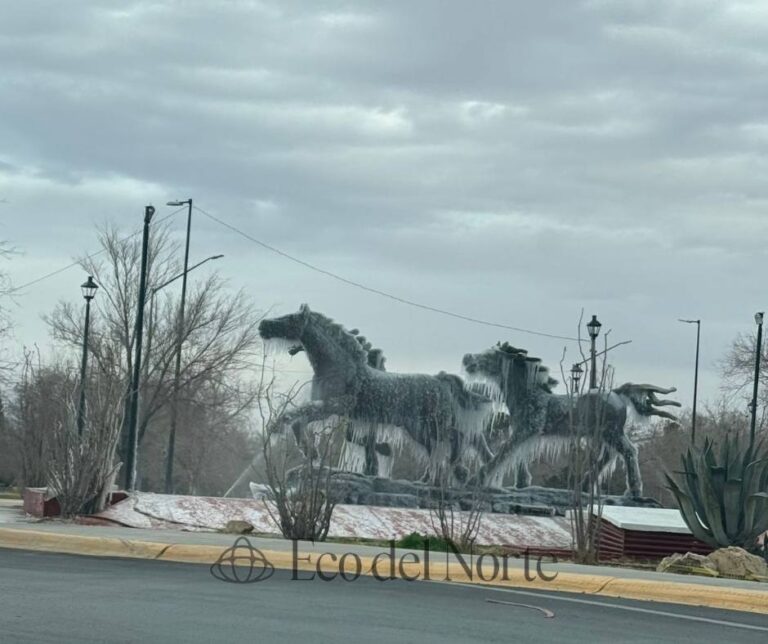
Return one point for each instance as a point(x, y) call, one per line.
point(644, 399)
point(508, 368)
point(327, 344)
point(288, 329)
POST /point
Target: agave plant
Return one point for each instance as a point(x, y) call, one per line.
point(724, 497)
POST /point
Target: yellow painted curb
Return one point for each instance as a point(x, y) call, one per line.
point(79, 545)
point(755, 601)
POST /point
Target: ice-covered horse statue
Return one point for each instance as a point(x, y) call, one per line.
point(540, 420)
point(363, 454)
point(438, 413)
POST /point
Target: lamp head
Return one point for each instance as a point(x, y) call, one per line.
point(576, 372)
point(593, 327)
point(89, 288)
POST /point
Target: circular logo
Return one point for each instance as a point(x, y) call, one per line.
point(242, 564)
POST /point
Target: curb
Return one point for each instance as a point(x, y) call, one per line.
point(723, 597)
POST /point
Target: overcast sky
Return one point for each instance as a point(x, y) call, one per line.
point(512, 161)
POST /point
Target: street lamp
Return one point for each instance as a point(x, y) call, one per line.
point(576, 373)
point(593, 328)
point(179, 342)
point(153, 292)
point(758, 352)
point(89, 292)
point(695, 377)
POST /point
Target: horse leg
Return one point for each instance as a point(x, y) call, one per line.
point(601, 467)
point(384, 460)
point(522, 476)
point(493, 471)
point(632, 465)
point(303, 442)
point(628, 453)
point(371, 462)
point(298, 419)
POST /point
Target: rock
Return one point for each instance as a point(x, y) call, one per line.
point(470, 504)
point(392, 500)
point(360, 489)
point(393, 486)
point(737, 562)
point(237, 527)
point(688, 564)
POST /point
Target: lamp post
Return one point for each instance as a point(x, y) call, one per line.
point(133, 409)
point(695, 377)
point(154, 292)
point(593, 327)
point(89, 292)
point(758, 352)
point(576, 373)
point(179, 342)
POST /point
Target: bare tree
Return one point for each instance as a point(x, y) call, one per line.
point(81, 469)
point(738, 371)
point(220, 336)
point(660, 450)
point(300, 486)
point(587, 457)
point(34, 408)
point(457, 514)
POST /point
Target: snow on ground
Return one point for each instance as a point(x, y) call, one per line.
point(159, 511)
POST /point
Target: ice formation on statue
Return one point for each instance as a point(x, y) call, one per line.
point(504, 417)
point(437, 412)
point(539, 419)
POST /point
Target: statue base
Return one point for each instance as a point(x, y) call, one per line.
point(358, 489)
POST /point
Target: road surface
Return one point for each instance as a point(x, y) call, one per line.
point(65, 598)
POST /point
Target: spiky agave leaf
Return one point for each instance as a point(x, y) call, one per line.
point(688, 512)
point(723, 494)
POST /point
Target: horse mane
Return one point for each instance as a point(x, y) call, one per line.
point(374, 356)
point(527, 372)
point(348, 341)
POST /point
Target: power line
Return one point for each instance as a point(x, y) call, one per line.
point(91, 256)
point(379, 292)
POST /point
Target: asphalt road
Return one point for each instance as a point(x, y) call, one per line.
point(65, 598)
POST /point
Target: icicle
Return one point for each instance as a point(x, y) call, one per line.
point(278, 346)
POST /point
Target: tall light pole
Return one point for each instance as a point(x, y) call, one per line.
point(179, 342)
point(133, 408)
point(150, 333)
point(154, 292)
point(89, 292)
point(758, 353)
point(593, 327)
point(695, 377)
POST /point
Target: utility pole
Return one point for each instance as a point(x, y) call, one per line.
point(758, 354)
point(133, 409)
point(695, 377)
point(179, 341)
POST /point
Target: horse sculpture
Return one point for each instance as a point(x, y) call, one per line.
point(363, 454)
point(438, 413)
point(541, 421)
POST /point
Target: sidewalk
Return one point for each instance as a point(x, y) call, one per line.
point(13, 518)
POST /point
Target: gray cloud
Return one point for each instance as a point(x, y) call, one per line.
point(513, 161)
